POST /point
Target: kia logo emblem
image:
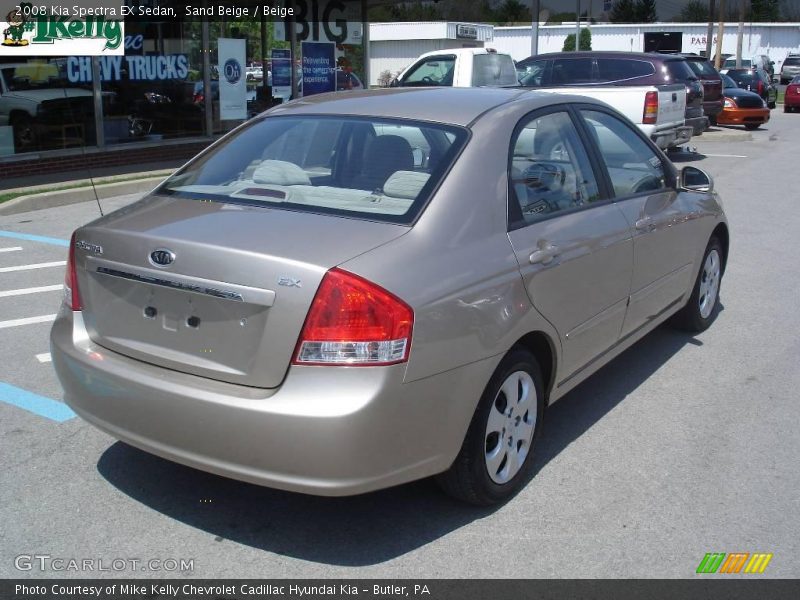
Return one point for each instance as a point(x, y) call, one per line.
point(162, 257)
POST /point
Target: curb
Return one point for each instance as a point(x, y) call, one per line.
point(75, 195)
point(720, 133)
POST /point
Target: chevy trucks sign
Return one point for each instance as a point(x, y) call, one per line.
point(44, 30)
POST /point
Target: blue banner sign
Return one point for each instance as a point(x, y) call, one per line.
point(319, 68)
point(281, 67)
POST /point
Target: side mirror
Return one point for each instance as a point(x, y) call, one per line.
point(692, 178)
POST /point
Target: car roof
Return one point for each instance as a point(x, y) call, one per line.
point(454, 106)
point(610, 54)
point(459, 52)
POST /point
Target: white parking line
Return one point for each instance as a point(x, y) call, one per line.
point(12, 249)
point(59, 263)
point(33, 290)
point(725, 155)
point(28, 321)
point(44, 357)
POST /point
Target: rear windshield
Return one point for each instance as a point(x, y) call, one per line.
point(743, 76)
point(702, 68)
point(679, 71)
point(493, 70)
point(792, 61)
point(731, 62)
point(382, 170)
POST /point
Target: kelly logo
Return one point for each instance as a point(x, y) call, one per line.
point(32, 30)
point(719, 562)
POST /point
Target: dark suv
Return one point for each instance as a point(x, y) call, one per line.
point(712, 84)
point(558, 69)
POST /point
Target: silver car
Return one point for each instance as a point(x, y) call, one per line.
point(354, 291)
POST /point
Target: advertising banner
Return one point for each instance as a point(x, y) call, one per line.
point(319, 68)
point(281, 72)
point(232, 86)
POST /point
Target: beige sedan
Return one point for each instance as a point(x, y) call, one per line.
point(355, 291)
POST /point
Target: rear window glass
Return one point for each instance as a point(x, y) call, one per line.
point(702, 67)
point(743, 76)
point(435, 70)
point(620, 69)
point(731, 62)
point(493, 70)
point(678, 70)
point(792, 61)
point(382, 170)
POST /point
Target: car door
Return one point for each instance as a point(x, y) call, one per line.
point(573, 245)
point(643, 185)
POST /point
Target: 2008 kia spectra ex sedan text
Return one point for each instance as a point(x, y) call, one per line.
point(354, 291)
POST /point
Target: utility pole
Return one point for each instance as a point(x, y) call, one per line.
point(720, 33)
point(740, 34)
point(710, 33)
point(577, 24)
point(534, 27)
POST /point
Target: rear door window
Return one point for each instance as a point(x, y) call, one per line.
point(567, 71)
point(678, 70)
point(792, 62)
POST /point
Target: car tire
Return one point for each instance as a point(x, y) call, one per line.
point(752, 126)
point(771, 105)
point(489, 469)
point(712, 120)
point(703, 305)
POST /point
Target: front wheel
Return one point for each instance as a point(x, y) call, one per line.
point(701, 308)
point(752, 126)
point(771, 105)
point(496, 457)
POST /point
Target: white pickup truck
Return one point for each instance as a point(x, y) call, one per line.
point(459, 67)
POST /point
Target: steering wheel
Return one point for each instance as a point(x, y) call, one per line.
point(427, 79)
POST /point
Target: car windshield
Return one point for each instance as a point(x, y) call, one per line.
point(742, 76)
point(382, 170)
point(792, 62)
point(728, 83)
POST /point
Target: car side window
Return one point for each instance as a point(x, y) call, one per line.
point(435, 70)
point(550, 170)
point(633, 166)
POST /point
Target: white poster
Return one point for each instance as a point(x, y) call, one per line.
point(232, 86)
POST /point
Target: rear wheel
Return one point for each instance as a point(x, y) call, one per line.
point(771, 105)
point(752, 126)
point(702, 306)
point(496, 457)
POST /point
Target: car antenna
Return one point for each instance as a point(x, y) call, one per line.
point(78, 127)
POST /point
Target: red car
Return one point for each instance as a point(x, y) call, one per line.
point(791, 100)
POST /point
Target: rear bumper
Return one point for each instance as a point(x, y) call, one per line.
point(742, 116)
point(329, 431)
point(698, 124)
point(712, 108)
point(684, 133)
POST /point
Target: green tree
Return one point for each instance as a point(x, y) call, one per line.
point(765, 11)
point(646, 11)
point(623, 11)
point(512, 11)
point(584, 41)
point(695, 11)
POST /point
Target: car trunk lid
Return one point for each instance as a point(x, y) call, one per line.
point(231, 303)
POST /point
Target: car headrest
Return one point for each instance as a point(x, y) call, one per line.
point(279, 172)
point(405, 184)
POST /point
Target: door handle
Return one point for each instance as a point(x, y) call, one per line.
point(544, 255)
point(645, 224)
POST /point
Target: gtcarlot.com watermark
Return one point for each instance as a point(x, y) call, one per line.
point(46, 563)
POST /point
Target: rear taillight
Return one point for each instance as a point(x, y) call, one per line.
point(650, 115)
point(760, 88)
point(72, 297)
point(352, 321)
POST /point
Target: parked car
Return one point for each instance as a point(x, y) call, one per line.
point(756, 80)
point(791, 99)
point(760, 61)
point(790, 68)
point(459, 67)
point(712, 84)
point(742, 107)
point(307, 305)
point(618, 69)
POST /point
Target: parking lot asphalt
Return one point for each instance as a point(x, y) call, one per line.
point(681, 446)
